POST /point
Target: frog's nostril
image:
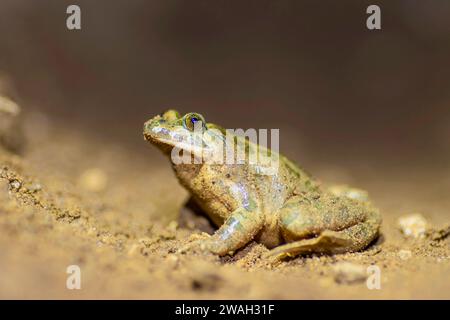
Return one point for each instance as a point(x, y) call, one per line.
point(148, 126)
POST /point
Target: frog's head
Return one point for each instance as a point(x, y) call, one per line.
point(170, 130)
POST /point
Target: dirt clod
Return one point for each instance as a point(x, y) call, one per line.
point(413, 225)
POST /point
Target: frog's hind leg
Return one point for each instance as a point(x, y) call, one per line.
point(335, 225)
point(352, 239)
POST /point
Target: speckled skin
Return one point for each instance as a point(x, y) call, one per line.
point(287, 211)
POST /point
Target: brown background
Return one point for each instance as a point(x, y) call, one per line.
point(310, 68)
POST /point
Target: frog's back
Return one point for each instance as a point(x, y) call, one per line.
point(284, 181)
point(302, 180)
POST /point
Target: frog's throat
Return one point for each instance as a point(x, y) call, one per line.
point(164, 147)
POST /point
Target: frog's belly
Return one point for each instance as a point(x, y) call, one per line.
point(215, 210)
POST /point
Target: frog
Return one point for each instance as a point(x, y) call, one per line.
point(288, 211)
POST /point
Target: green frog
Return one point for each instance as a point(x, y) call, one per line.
point(286, 209)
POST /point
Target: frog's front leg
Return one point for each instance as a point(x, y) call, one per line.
point(237, 231)
point(328, 225)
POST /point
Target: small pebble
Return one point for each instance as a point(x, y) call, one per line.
point(405, 254)
point(15, 185)
point(94, 180)
point(413, 225)
point(172, 260)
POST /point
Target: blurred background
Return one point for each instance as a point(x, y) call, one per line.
point(367, 108)
point(336, 90)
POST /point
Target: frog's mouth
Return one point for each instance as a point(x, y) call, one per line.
point(166, 148)
point(166, 140)
point(164, 144)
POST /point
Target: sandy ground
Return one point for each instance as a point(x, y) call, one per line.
point(112, 209)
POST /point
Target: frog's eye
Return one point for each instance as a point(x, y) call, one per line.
point(191, 120)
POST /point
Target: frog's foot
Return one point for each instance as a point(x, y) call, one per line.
point(236, 232)
point(327, 242)
point(205, 243)
point(333, 225)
